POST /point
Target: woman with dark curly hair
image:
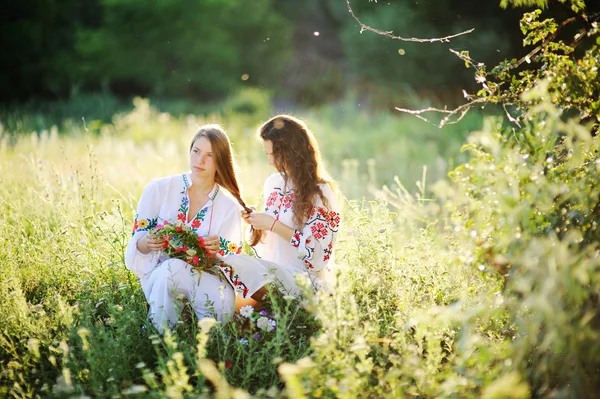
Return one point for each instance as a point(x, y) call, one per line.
point(300, 218)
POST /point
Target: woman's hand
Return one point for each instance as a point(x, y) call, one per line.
point(147, 244)
point(212, 244)
point(261, 220)
point(246, 214)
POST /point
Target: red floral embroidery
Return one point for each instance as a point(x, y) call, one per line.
point(288, 201)
point(272, 198)
point(296, 239)
point(234, 279)
point(196, 223)
point(181, 216)
point(319, 230)
point(333, 219)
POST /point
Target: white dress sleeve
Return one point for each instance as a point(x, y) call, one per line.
point(230, 234)
point(316, 238)
point(146, 218)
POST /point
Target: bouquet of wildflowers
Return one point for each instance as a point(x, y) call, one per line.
point(180, 242)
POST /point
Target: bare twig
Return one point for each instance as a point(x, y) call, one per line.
point(460, 111)
point(390, 34)
point(509, 116)
point(466, 58)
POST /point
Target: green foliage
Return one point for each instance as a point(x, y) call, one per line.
point(569, 65)
point(576, 5)
point(530, 198)
point(183, 48)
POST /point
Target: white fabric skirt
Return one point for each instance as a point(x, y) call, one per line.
point(248, 274)
point(172, 281)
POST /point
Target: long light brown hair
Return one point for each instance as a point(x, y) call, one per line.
point(225, 165)
point(297, 156)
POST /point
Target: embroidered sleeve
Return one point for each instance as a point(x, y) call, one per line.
point(230, 233)
point(315, 240)
point(145, 219)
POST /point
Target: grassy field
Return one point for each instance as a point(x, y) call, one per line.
point(418, 309)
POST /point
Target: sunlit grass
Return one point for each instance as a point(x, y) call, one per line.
point(423, 303)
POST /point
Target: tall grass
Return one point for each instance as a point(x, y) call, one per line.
point(476, 292)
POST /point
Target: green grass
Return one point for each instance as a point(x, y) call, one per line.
point(417, 309)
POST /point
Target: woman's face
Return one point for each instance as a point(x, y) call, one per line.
point(201, 159)
point(268, 146)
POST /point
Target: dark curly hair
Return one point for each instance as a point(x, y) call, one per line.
point(297, 157)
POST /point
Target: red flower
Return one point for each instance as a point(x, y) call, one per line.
point(228, 364)
point(135, 225)
point(201, 242)
point(196, 223)
point(181, 216)
point(239, 250)
point(195, 260)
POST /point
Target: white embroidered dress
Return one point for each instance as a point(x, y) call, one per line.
point(309, 254)
point(163, 279)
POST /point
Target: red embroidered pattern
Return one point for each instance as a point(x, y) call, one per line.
point(234, 279)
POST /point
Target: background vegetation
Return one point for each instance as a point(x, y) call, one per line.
point(480, 282)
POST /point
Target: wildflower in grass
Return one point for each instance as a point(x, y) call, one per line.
point(228, 364)
point(243, 341)
point(247, 311)
point(266, 324)
point(263, 313)
point(257, 336)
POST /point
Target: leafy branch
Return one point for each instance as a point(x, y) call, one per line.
point(573, 79)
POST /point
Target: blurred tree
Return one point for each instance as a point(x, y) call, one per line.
point(36, 40)
point(183, 47)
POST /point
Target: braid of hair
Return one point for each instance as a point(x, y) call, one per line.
point(255, 235)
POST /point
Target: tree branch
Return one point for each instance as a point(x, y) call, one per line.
point(390, 34)
point(460, 111)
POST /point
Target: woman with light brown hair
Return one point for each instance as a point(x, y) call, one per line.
point(297, 226)
point(199, 199)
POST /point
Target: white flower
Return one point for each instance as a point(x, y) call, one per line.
point(265, 324)
point(243, 341)
point(246, 311)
